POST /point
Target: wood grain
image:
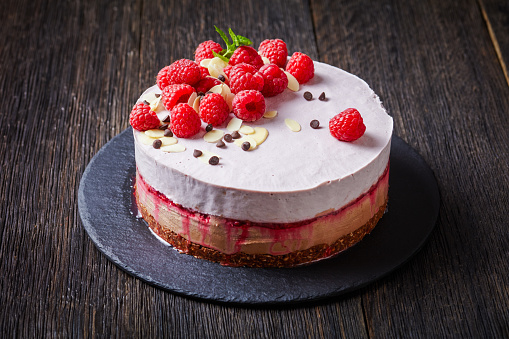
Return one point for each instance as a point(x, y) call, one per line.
point(71, 71)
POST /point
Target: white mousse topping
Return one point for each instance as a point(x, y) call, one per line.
point(292, 176)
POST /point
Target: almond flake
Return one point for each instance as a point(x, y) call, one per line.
point(265, 60)
point(196, 104)
point(191, 99)
point(216, 89)
point(260, 135)
point(270, 114)
point(248, 138)
point(213, 136)
point(234, 124)
point(145, 139)
point(293, 125)
point(175, 148)
point(155, 133)
point(246, 129)
point(205, 63)
point(229, 100)
point(225, 91)
point(293, 84)
point(167, 141)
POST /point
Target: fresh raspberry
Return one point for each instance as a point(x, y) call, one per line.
point(204, 72)
point(227, 70)
point(176, 94)
point(205, 49)
point(185, 122)
point(142, 118)
point(275, 50)
point(301, 67)
point(249, 105)
point(347, 125)
point(214, 109)
point(248, 55)
point(182, 71)
point(244, 77)
point(275, 80)
point(206, 83)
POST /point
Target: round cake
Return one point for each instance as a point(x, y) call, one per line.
point(294, 196)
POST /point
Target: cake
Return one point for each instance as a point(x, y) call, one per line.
point(294, 195)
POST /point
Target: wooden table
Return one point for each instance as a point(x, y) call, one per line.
point(71, 71)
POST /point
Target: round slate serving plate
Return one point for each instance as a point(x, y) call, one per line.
point(105, 205)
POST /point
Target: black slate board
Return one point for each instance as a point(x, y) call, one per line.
point(105, 205)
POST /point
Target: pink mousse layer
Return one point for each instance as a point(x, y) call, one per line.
point(232, 236)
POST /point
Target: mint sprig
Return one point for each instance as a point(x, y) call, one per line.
point(237, 41)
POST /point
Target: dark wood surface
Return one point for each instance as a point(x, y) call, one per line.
point(71, 71)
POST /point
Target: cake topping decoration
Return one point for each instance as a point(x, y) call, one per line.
point(214, 160)
point(157, 144)
point(293, 125)
point(175, 148)
point(347, 125)
point(260, 135)
point(146, 102)
point(246, 129)
point(185, 122)
point(163, 127)
point(322, 97)
point(249, 105)
point(168, 133)
point(270, 114)
point(234, 124)
point(213, 109)
point(301, 67)
point(209, 128)
point(236, 135)
point(314, 124)
point(213, 136)
point(246, 139)
point(228, 138)
point(167, 118)
point(142, 118)
point(293, 84)
point(154, 133)
point(197, 153)
point(167, 141)
point(308, 96)
point(246, 145)
point(220, 144)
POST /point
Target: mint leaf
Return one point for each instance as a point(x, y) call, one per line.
point(225, 59)
point(244, 41)
point(224, 37)
point(234, 38)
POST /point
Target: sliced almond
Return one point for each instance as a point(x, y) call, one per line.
point(145, 139)
point(175, 148)
point(225, 91)
point(167, 141)
point(246, 129)
point(192, 98)
point(293, 84)
point(220, 63)
point(229, 100)
point(206, 155)
point(205, 63)
point(293, 125)
point(265, 60)
point(155, 133)
point(213, 136)
point(270, 114)
point(196, 104)
point(149, 97)
point(216, 89)
point(260, 135)
point(248, 138)
point(234, 124)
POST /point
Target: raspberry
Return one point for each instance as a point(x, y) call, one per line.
point(248, 55)
point(275, 80)
point(275, 50)
point(249, 105)
point(182, 71)
point(142, 118)
point(176, 94)
point(206, 83)
point(244, 77)
point(205, 49)
point(301, 67)
point(185, 122)
point(347, 125)
point(214, 109)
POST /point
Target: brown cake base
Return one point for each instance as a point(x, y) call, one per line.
point(295, 258)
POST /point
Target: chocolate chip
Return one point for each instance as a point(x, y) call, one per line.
point(200, 94)
point(146, 102)
point(314, 124)
point(197, 153)
point(236, 135)
point(157, 95)
point(163, 127)
point(208, 92)
point(308, 96)
point(228, 138)
point(214, 160)
point(168, 133)
point(221, 78)
point(220, 143)
point(157, 144)
point(166, 119)
point(209, 127)
point(246, 145)
point(322, 97)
